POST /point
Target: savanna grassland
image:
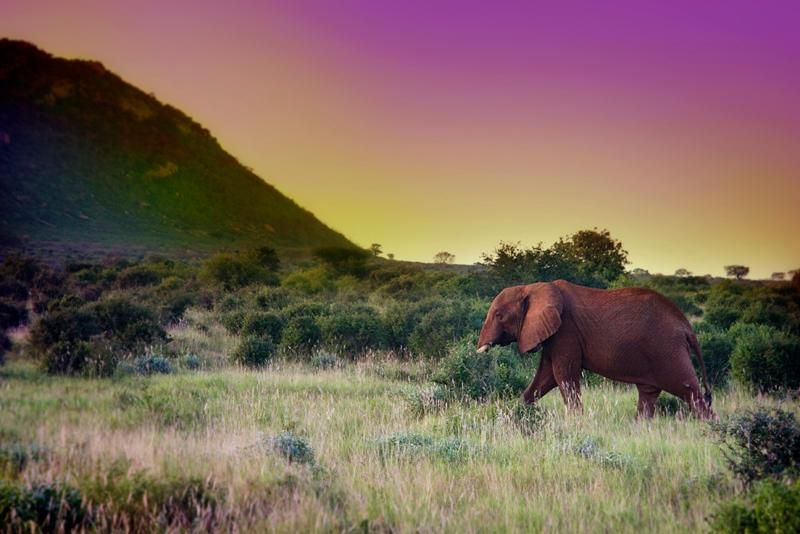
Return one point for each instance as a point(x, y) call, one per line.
point(342, 392)
point(199, 449)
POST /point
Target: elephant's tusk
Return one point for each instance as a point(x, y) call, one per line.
point(483, 348)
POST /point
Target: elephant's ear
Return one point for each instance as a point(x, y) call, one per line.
point(543, 315)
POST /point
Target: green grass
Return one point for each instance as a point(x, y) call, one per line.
point(377, 461)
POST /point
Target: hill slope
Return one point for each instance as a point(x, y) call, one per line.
point(91, 162)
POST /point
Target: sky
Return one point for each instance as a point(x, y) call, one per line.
point(439, 125)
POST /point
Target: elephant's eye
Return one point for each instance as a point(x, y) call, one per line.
point(498, 315)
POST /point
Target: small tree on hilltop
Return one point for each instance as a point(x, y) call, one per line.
point(639, 272)
point(778, 276)
point(390, 256)
point(376, 249)
point(683, 272)
point(739, 271)
point(444, 258)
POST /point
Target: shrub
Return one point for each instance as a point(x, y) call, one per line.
point(765, 358)
point(309, 281)
point(301, 333)
point(253, 351)
point(234, 321)
point(323, 359)
point(306, 309)
point(192, 362)
point(128, 324)
point(263, 324)
point(760, 443)
point(14, 457)
point(772, 507)
point(138, 276)
point(50, 507)
point(12, 314)
point(152, 365)
point(717, 348)
point(442, 325)
point(500, 372)
point(5, 346)
point(273, 298)
point(233, 271)
point(411, 445)
point(293, 447)
point(66, 358)
point(352, 329)
point(13, 290)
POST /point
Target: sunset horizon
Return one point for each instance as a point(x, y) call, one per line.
point(454, 127)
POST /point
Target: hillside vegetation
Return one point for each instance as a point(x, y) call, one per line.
point(91, 164)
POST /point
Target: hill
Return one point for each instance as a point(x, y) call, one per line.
point(91, 164)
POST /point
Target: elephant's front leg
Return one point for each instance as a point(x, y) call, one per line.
point(543, 381)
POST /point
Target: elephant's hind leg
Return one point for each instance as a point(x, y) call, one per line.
point(648, 395)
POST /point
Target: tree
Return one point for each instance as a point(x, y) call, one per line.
point(683, 272)
point(639, 272)
point(739, 271)
point(344, 260)
point(390, 256)
point(588, 257)
point(444, 258)
point(778, 276)
point(375, 249)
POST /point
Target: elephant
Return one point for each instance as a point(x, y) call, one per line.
point(632, 335)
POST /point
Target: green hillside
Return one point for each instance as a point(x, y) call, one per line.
point(90, 163)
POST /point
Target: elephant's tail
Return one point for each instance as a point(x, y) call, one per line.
point(695, 346)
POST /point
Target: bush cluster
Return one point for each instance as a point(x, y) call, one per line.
point(501, 372)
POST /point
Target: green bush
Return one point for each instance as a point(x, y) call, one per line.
point(138, 276)
point(352, 330)
point(254, 351)
point(263, 324)
point(293, 447)
point(273, 298)
point(443, 324)
point(152, 365)
point(412, 445)
point(301, 334)
point(717, 347)
point(760, 444)
point(773, 506)
point(49, 507)
point(324, 359)
point(233, 321)
point(765, 358)
point(500, 372)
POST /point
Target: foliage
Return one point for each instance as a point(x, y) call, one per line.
point(12, 314)
point(263, 324)
point(293, 447)
point(301, 333)
point(588, 257)
point(443, 323)
point(352, 329)
point(152, 365)
point(234, 271)
point(344, 260)
point(254, 351)
point(765, 358)
point(411, 445)
point(444, 258)
point(324, 359)
point(760, 444)
point(500, 372)
point(51, 507)
point(739, 271)
point(771, 507)
point(716, 347)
